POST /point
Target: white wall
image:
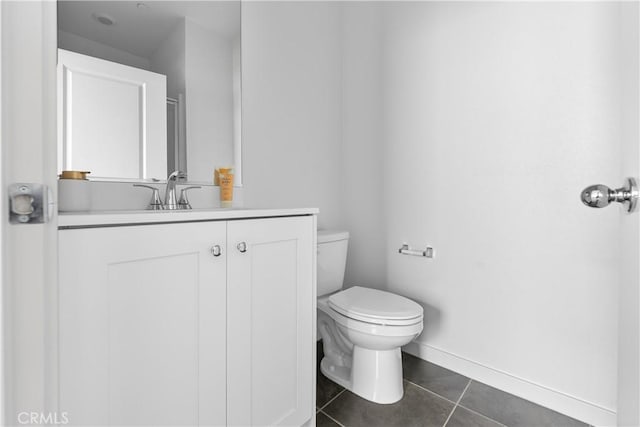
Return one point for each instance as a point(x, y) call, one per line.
point(209, 101)
point(79, 44)
point(236, 62)
point(362, 145)
point(169, 59)
point(292, 107)
point(496, 115)
point(470, 127)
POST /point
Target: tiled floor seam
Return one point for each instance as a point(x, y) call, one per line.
point(481, 415)
point(432, 392)
point(332, 419)
point(456, 404)
point(332, 399)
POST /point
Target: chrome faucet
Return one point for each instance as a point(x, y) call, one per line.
point(171, 202)
point(170, 199)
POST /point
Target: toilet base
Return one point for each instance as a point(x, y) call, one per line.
point(338, 374)
point(376, 375)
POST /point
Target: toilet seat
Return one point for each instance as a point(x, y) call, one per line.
point(376, 307)
point(370, 328)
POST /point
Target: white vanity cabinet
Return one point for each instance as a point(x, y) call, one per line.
point(192, 323)
point(271, 315)
point(142, 325)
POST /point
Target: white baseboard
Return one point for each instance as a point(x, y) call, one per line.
point(558, 401)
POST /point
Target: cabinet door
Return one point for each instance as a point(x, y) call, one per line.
point(271, 312)
point(143, 325)
point(112, 118)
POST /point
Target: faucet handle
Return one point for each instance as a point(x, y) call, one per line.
point(183, 203)
point(155, 203)
point(176, 175)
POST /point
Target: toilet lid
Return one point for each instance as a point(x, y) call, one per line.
point(373, 306)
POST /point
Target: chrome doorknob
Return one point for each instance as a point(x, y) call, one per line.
point(242, 247)
point(600, 196)
point(596, 196)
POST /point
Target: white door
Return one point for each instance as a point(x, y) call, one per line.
point(271, 312)
point(143, 325)
point(628, 410)
point(112, 118)
point(29, 252)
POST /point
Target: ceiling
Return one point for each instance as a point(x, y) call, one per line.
point(140, 26)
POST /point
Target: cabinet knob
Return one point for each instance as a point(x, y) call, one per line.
point(216, 250)
point(242, 247)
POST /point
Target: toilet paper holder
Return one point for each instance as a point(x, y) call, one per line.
point(428, 252)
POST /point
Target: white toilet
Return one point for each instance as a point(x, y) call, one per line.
point(362, 329)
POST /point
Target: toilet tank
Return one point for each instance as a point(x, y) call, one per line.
point(332, 259)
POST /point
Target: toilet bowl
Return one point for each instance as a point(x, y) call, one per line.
point(362, 329)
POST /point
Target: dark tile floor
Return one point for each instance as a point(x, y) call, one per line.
point(433, 396)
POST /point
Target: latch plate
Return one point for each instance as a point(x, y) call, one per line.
point(29, 203)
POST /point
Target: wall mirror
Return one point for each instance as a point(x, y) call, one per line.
point(149, 87)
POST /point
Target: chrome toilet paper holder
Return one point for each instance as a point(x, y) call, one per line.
point(428, 252)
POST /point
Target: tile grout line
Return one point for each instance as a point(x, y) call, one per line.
point(331, 418)
point(332, 399)
point(431, 392)
point(459, 400)
point(481, 415)
point(456, 404)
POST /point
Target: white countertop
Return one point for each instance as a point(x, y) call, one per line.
point(107, 218)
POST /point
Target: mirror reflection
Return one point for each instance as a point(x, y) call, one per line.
point(147, 88)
